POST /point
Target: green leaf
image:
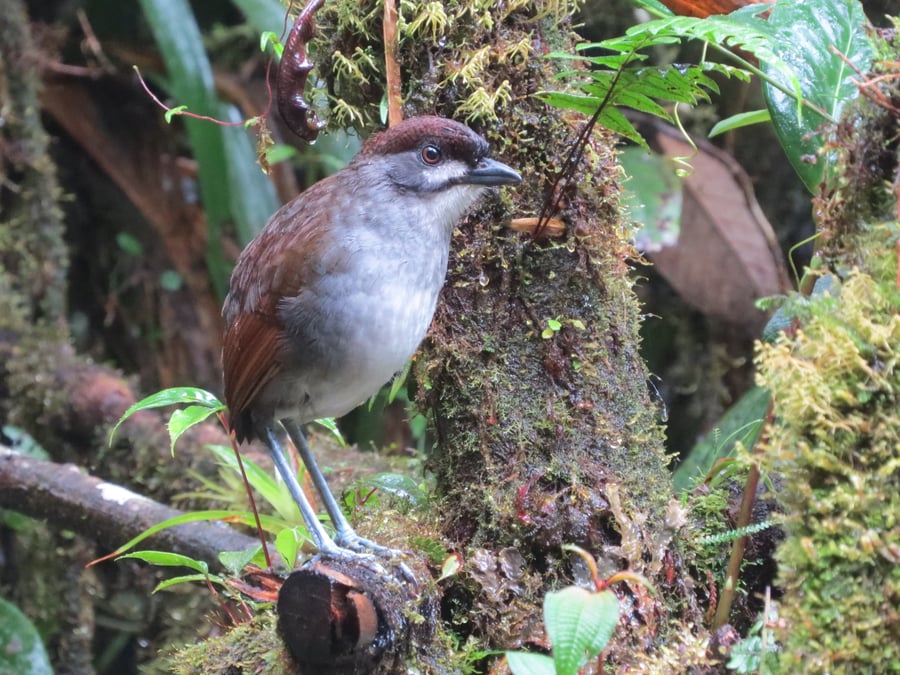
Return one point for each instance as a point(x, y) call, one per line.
point(451, 566)
point(398, 382)
point(214, 578)
point(235, 561)
point(183, 419)
point(397, 485)
point(174, 112)
point(804, 31)
point(523, 663)
point(288, 543)
point(170, 280)
point(129, 243)
point(616, 122)
point(653, 196)
point(331, 425)
point(266, 16)
point(21, 649)
point(269, 524)
point(264, 482)
point(431, 548)
point(168, 559)
point(744, 119)
point(580, 624)
point(173, 396)
point(742, 422)
point(269, 37)
point(280, 153)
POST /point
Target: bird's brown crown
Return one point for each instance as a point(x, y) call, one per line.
point(455, 139)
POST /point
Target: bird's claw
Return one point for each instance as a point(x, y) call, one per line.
point(353, 542)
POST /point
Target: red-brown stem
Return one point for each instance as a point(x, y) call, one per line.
point(186, 113)
point(224, 605)
point(737, 550)
point(248, 488)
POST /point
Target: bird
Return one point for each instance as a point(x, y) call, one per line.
point(336, 292)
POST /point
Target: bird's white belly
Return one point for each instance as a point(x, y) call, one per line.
point(371, 331)
point(386, 333)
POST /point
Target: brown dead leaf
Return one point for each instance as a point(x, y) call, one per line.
point(726, 256)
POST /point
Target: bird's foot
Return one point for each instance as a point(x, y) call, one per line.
point(351, 541)
point(349, 556)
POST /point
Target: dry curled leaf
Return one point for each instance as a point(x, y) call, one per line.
point(726, 256)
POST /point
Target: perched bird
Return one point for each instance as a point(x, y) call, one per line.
point(337, 291)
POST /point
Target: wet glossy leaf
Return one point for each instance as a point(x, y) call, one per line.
point(183, 419)
point(806, 29)
point(172, 396)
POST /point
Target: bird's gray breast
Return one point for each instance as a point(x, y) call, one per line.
point(350, 331)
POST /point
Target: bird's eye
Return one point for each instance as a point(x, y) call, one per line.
point(431, 154)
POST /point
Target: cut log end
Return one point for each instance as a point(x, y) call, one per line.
point(336, 617)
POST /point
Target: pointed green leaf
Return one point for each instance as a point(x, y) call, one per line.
point(288, 543)
point(173, 396)
point(806, 29)
point(274, 492)
point(331, 425)
point(235, 561)
point(183, 419)
point(269, 524)
point(204, 578)
point(580, 624)
point(741, 422)
point(744, 119)
point(168, 559)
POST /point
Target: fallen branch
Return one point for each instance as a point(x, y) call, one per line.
point(103, 511)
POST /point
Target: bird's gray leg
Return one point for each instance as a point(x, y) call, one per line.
point(345, 535)
point(320, 537)
point(346, 540)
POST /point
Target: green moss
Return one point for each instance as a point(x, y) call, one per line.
point(32, 249)
point(252, 647)
point(836, 386)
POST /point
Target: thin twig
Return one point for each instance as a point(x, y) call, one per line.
point(259, 530)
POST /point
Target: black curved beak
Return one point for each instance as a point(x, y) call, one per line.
point(490, 172)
